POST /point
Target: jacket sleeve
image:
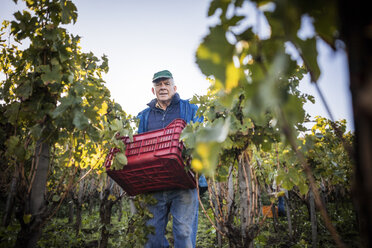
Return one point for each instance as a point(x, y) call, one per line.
point(143, 117)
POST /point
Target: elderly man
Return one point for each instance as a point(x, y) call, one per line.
point(181, 203)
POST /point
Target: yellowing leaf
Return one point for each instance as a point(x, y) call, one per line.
point(111, 198)
point(103, 110)
point(203, 149)
point(197, 165)
point(204, 53)
point(206, 164)
point(232, 77)
point(217, 85)
point(27, 218)
point(281, 193)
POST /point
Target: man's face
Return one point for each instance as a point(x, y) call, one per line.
point(164, 89)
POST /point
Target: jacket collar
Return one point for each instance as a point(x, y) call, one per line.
point(175, 99)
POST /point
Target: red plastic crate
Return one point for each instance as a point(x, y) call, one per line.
point(154, 162)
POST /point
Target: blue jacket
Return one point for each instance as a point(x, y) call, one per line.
point(187, 113)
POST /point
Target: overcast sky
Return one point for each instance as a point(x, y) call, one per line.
point(141, 37)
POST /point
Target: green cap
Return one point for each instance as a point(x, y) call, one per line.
point(162, 74)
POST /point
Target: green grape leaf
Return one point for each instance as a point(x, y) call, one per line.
point(69, 12)
point(121, 158)
point(309, 55)
point(56, 198)
point(217, 4)
point(50, 75)
point(12, 143)
point(217, 132)
point(188, 136)
point(80, 121)
point(66, 102)
point(303, 188)
point(116, 125)
point(24, 90)
point(293, 110)
point(325, 18)
point(214, 54)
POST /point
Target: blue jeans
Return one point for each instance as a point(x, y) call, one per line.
point(183, 205)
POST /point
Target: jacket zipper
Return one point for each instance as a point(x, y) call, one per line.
point(163, 119)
